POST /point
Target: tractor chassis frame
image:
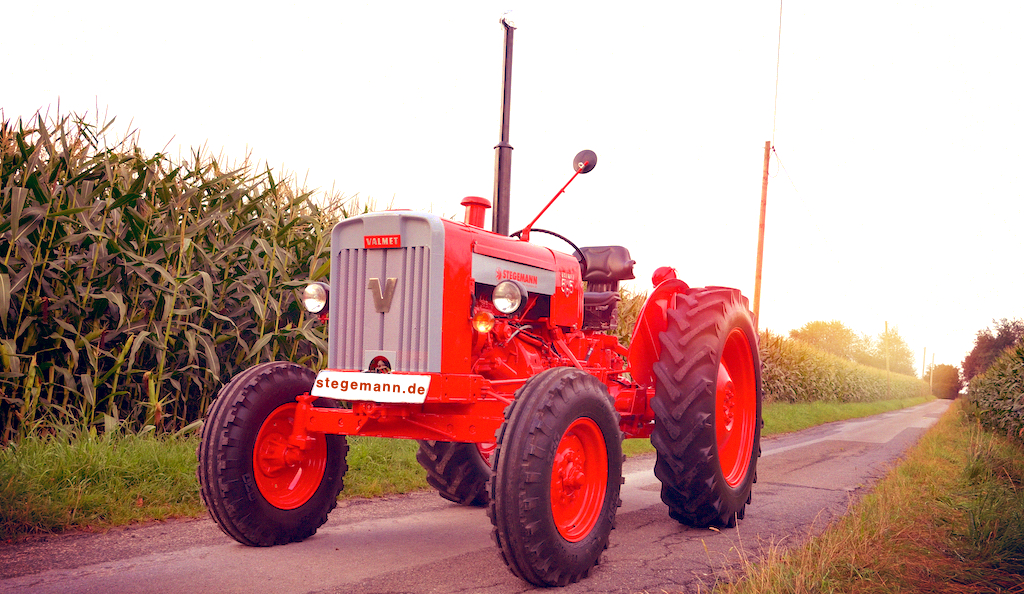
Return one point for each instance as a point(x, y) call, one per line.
point(459, 408)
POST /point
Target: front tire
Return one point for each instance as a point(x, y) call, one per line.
point(707, 407)
point(557, 474)
point(258, 488)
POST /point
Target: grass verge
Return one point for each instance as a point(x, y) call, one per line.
point(783, 417)
point(948, 519)
point(87, 482)
point(55, 483)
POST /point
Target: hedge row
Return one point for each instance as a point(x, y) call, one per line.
point(996, 397)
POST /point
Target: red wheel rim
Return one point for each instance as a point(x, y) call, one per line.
point(579, 478)
point(486, 450)
point(735, 408)
point(285, 475)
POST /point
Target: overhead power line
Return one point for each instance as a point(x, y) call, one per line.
point(778, 60)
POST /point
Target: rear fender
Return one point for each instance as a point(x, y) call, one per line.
point(644, 346)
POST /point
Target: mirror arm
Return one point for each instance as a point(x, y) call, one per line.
point(525, 233)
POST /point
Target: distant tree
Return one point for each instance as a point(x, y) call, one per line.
point(892, 347)
point(832, 337)
point(865, 353)
point(989, 344)
point(945, 381)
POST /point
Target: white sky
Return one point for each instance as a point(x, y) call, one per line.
point(899, 126)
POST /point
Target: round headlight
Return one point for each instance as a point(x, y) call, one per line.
point(508, 296)
point(483, 322)
point(314, 297)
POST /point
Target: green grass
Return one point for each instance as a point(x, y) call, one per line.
point(378, 466)
point(87, 482)
point(782, 417)
point(948, 519)
point(56, 483)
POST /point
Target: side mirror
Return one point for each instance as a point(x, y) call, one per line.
point(584, 161)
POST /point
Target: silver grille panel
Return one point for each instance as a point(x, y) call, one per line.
point(409, 333)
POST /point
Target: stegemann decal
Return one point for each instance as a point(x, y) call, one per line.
point(375, 387)
point(523, 277)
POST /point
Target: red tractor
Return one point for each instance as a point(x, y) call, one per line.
point(493, 353)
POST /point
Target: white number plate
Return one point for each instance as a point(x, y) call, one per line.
point(374, 387)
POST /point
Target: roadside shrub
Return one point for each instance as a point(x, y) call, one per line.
point(996, 397)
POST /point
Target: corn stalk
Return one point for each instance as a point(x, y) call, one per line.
point(133, 287)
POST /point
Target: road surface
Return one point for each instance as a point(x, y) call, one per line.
point(421, 543)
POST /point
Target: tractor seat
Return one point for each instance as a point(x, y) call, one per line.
point(606, 265)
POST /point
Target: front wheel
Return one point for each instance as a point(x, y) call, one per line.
point(707, 407)
point(258, 488)
point(557, 474)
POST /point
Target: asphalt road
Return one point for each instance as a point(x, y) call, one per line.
point(421, 543)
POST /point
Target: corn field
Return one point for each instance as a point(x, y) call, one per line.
point(792, 371)
point(133, 287)
point(996, 396)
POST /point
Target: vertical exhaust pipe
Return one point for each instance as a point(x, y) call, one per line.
point(503, 150)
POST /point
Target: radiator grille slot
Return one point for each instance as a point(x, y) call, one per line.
point(405, 329)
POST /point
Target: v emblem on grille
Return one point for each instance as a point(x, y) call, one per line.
point(382, 297)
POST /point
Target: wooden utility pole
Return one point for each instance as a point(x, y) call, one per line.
point(760, 234)
point(931, 380)
point(885, 343)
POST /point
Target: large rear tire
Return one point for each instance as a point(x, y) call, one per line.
point(258, 488)
point(557, 474)
point(707, 407)
point(459, 471)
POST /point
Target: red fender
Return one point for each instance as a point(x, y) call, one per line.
point(644, 346)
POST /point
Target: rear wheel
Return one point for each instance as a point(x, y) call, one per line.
point(459, 471)
point(260, 489)
point(557, 474)
point(707, 407)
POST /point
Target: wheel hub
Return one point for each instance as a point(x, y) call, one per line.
point(276, 456)
point(579, 476)
point(728, 397)
point(569, 472)
point(286, 475)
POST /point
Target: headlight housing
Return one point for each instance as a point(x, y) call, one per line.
point(315, 297)
point(509, 296)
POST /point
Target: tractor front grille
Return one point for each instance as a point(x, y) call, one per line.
point(408, 333)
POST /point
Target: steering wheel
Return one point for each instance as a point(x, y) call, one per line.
point(578, 253)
